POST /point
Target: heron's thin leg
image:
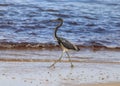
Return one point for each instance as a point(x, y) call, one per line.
point(57, 60)
point(69, 58)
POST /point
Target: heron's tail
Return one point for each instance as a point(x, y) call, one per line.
point(76, 48)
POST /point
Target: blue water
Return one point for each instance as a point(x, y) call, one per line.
point(85, 21)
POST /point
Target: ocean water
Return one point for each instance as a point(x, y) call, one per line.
point(86, 22)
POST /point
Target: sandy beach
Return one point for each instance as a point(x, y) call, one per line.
point(28, 45)
point(31, 68)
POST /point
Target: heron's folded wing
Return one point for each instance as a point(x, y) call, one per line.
point(67, 44)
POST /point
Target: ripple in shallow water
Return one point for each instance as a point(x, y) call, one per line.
point(84, 21)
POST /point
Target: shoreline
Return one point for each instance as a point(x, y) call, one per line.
point(52, 60)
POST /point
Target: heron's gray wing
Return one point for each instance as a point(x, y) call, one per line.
point(67, 44)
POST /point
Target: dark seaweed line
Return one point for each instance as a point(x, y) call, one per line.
point(49, 46)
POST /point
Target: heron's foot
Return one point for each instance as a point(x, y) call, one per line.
point(52, 66)
point(72, 65)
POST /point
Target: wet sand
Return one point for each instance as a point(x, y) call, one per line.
point(31, 68)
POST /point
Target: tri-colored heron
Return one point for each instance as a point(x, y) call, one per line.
point(64, 44)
